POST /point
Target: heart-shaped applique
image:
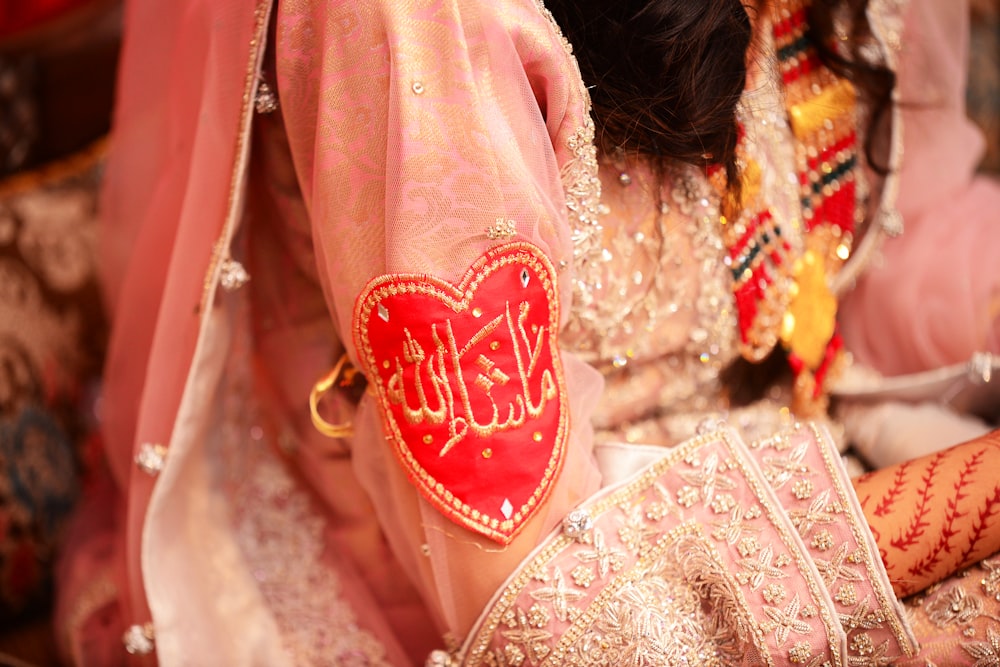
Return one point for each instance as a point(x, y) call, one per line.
point(470, 384)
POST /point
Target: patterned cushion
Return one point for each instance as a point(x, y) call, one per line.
point(51, 336)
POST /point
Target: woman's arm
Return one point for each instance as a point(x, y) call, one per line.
point(426, 140)
point(935, 515)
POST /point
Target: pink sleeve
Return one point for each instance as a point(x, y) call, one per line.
point(425, 135)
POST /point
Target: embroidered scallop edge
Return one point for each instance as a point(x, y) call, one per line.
point(458, 298)
point(851, 529)
point(877, 577)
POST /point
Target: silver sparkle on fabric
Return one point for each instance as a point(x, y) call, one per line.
point(138, 639)
point(507, 509)
point(151, 458)
point(439, 658)
point(892, 222)
point(502, 229)
point(233, 275)
point(710, 425)
point(577, 524)
point(265, 101)
point(981, 367)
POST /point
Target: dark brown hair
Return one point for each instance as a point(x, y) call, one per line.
point(666, 75)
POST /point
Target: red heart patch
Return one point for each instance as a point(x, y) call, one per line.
point(470, 384)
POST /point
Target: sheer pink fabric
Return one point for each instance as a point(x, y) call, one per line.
point(429, 149)
point(392, 179)
point(412, 128)
point(935, 298)
point(166, 90)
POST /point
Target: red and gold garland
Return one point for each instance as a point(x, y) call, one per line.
point(782, 289)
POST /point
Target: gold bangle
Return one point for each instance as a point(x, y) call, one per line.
point(321, 387)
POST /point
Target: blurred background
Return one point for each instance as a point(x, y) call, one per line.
point(984, 81)
point(57, 73)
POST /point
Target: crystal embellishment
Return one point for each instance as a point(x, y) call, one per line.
point(266, 101)
point(138, 639)
point(981, 367)
point(151, 458)
point(233, 275)
point(439, 658)
point(892, 223)
point(710, 425)
point(577, 524)
point(525, 277)
point(507, 509)
point(383, 313)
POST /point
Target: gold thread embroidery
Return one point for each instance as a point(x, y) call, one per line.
point(477, 649)
point(501, 230)
point(843, 566)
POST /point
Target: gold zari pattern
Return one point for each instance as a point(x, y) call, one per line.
point(959, 620)
point(700, 559)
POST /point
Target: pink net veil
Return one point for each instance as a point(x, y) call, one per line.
point(412, 133)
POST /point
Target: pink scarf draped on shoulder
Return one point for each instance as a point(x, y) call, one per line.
point(934, 299)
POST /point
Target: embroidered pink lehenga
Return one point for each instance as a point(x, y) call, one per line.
point(361, 194)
